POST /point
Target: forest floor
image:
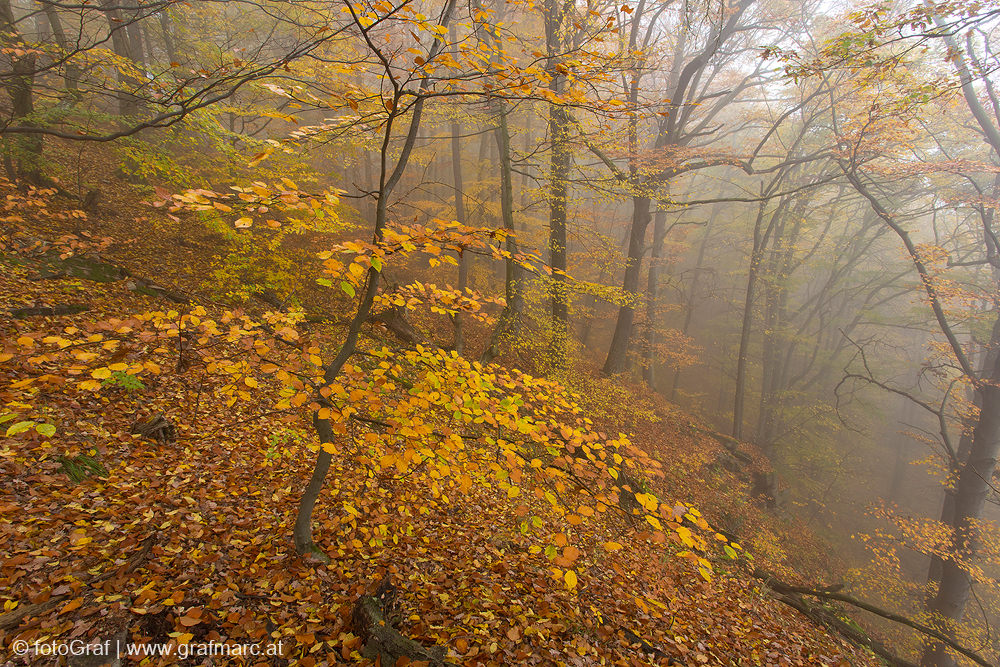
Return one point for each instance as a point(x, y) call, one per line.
point(185, 541)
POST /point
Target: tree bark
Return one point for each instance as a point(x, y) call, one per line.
point(71, 73)
point(652, 298)
point(739, 398)
point(970, 496)
point(510, 318)
point(124, 46)
point(20, 88)
point(558, 184)
point(463, 260)
point(618, 352)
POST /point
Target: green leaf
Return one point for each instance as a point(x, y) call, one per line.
point(47, 430)
point(730, 552)
point(551, 552)
point(348, 288)
point(325, 282)
point(7, 417)
point(19, 427)
point(377, 264)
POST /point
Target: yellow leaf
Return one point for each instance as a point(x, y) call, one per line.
point(118, 368)
point(250, 382)
point(612, 546)
point(465, 483)
point(570, 579)
point(100, 373)
point(243, 223)
point(26, 341)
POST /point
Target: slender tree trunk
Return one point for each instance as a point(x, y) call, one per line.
point(963, 507)
point(509, 322)
point(526, 173)
point(124, 47)
point(756, 254)
point(463, 260)
point(20, 88)
point(652, 298)
point(168, 39)
point(970, 496)
point(618, 352)
point(388, 179)
point(689, 311)
point(988, 360)
point(71, 73)
point(558, 181)
point(558, 187)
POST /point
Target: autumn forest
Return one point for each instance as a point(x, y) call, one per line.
point(424, 332)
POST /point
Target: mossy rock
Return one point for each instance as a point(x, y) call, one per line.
point(80, 267)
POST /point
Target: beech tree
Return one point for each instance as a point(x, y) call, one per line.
point(686, 118)
point(901, 101)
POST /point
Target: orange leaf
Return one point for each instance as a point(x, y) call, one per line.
point(76, 603)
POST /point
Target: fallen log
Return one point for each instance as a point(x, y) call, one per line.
point(12, 619)
point(792, 596)
point(49, 311)
point(372, 621)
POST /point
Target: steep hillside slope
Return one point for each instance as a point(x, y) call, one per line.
point(143, 506)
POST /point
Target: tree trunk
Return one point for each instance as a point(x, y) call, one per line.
point(741, 357)
point(302, 535)
point(20, 88)
point(652, 298)
point(71, 73)
point(689, 311)
point(509, 322)
point(970, 495)
point(989, 359)
point(558, 183)
point(123, 45)
point(168, 40)
point(463, 261)
point(618, 352)
point(558, 186)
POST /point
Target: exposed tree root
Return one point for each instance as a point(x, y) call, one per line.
point(372, 621)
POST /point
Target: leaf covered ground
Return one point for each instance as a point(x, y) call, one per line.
point(187, 540)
